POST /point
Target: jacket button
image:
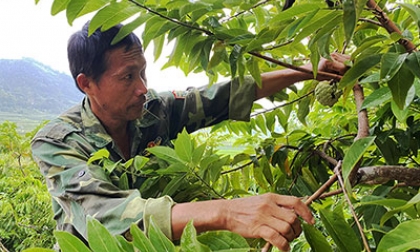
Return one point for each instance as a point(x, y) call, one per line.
point(81, 173)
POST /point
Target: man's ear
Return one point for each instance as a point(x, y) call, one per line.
point(84, 83)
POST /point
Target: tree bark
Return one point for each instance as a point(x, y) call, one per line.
point(389, 25)
point(372, 175)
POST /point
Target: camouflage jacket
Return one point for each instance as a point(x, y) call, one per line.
point(78, 190)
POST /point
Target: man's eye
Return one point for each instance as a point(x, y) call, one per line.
point(128, 77)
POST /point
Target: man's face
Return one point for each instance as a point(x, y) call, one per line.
point(119, 95)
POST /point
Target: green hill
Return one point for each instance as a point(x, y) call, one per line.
point(31, 91)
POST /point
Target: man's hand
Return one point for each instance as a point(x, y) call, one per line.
point(336, 65)
point(272, 217)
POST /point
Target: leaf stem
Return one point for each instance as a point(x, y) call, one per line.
point(346, 196)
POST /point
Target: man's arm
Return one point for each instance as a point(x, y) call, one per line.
point(273, 82)
point(270, 216)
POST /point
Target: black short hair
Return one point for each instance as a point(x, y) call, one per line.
point(87, 54)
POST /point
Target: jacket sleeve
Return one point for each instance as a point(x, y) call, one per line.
point(201, 107)
point(79, 190)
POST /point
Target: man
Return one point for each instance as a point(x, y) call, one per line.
point(113, 115)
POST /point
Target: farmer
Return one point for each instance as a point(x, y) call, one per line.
point(121, 114)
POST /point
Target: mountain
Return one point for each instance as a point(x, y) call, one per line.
point(29, 87)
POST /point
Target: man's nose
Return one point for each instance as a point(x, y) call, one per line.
point(141, 87)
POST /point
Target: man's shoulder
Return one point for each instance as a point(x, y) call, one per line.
point(58, 128)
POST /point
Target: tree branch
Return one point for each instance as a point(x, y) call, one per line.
point(253, 7)
point(207, 32)
point(363, 120)
point(239, 167)
point(372, 175)
point(282, 105)
point(326, 157)
point(2, 247)
point(389, 25)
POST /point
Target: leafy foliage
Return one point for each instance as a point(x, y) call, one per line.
point(25, 207)
point(101, 240)
point(294, 148)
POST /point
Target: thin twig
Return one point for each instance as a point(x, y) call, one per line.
point(313, 197)
point(283, 104)
point(332, 193)
point(244, 11)
point(359, 226)
point(2, 247)
point(209, 33)
point(324, 156)
point(367, 20)
point(321, 190)
point(207, 185)
point(240, 167)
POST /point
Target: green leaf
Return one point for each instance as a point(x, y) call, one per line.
point(319, 22)
point(394, 203)
point(413, 63)
point(139, 162)
point(38, 250)
point(111, 15)
point(219, 55)
point(123, 182)
point(172, 186)
point(58, 6)
point(189, 240)
point(400, 84)
point(404, 237)
point(358, 69)
point(377, 98)
point(408, 208)
point(254, 70)
point(353, 155)
point(140, 241)
point(323, 44)
point(309, 179)
point(156, 27)
point(184, 146)
point(298, 10)
point(341, 232)
point(99, 238)
point(315, 239)
point(233, 59)
point(99, 155)
point(400, 114)
point(125, 245)
point(391, 64)
point(69, 242)
point(224, 241)
point(414, 12)
point(130, 27)
point(389, 150)
point(78, 8)
point(349, 18)
point(158, 238)
point(158, 44)
point(166, 153)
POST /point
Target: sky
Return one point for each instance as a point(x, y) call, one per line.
point(28, 30)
